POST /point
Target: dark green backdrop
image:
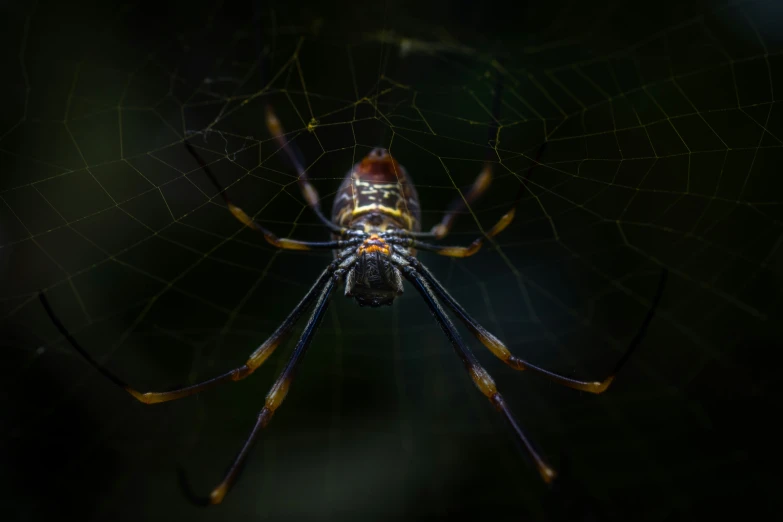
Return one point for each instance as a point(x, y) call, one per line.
point(664, 143)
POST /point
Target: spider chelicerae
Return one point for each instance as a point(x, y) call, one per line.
point(376, 231)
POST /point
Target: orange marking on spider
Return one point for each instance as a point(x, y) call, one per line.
point(374, 244)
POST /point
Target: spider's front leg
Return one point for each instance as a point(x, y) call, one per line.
point(501, 352)
point(277, 393)
point(256, 359)
point(479, 375)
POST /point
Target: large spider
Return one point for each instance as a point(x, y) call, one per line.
point(375, 229)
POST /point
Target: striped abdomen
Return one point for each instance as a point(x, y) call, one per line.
point(379, 194)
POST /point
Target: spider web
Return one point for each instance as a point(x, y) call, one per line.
point(663, 135)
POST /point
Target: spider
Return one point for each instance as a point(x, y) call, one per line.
point(376, 230)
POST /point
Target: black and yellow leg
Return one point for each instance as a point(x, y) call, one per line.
point(276, 395)
point(309, 193)
point(479, 375)
point(255, 360)
point(456, 251)
point(501, 352)
point(241, 215)
point(409, 239)
point(463, 201)
point(482, 181)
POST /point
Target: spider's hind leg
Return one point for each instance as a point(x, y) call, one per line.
point(505, 220)
point(482, 182)
point(271, 237)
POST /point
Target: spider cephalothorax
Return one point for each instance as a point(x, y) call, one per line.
point(376, 231)
point(374, 280)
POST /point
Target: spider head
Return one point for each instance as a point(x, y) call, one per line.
point(373, 281)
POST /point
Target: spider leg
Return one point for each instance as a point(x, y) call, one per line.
point(456, 251)
point(274, 127)
point(480, 377)
point(461, 202)
point(276, 394)
point(293, 152)
point(408, 239)
point(284, 243)
point(482, 181)
point(501, 352)
point(255, 360)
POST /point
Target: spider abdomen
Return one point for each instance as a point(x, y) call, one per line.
point(377, 193)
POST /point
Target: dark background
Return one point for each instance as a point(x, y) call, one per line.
point(664, 143)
